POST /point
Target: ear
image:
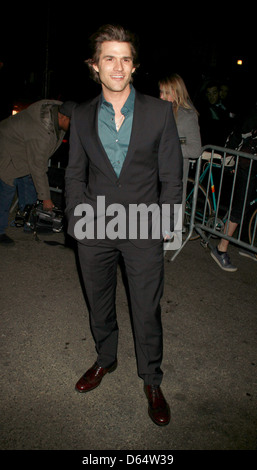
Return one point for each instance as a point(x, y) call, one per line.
point(95, 67)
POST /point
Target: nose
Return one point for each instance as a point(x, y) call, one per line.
point(118, 64)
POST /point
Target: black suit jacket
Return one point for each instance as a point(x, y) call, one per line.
point(152, 170)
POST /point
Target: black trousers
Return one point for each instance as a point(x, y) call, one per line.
point(239, 194)
point(145, 274)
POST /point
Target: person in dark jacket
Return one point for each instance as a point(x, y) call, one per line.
point(123, 145)
point(214, 119)
point(27, 141)
point(243, 139)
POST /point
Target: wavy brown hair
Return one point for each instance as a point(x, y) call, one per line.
point(110, 32)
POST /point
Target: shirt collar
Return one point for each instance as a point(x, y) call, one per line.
point(129, 104)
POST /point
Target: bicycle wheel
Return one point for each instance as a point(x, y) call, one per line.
point(252, 229)
point(200, 205)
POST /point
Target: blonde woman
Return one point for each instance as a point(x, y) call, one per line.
point(173, 89)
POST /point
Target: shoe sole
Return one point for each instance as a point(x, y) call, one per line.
point(231, 270)
point(112, 369)
point(246, 255)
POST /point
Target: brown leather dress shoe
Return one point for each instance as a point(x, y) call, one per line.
point(92, 378)
point(158, 408)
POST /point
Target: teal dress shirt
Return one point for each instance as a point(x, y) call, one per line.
point(116, 142)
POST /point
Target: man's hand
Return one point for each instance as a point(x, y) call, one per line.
point(48, 205)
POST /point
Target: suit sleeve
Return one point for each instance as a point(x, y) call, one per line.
point(170, 167)
point(75, 175)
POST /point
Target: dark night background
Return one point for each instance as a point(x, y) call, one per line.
point(43, 47)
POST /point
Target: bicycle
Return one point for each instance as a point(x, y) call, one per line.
point(206, 205)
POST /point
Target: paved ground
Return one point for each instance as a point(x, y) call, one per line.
point(210, 356)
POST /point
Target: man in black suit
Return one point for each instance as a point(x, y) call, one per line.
point(125, 152)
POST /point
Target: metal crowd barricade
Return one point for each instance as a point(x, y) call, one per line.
point(214, 225)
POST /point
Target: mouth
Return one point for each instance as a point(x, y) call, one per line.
point(117, 77)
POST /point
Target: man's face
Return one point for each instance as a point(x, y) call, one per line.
point(115, 65)
point(223, 92)
point(64, 122)
point(212, 94)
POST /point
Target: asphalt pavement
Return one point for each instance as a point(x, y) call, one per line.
point(210, 356)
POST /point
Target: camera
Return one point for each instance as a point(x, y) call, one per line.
point(39, 220)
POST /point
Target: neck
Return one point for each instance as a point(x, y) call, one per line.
point(116, 98)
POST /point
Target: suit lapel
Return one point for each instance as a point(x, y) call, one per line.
point(103, 159)
point(137, 118)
